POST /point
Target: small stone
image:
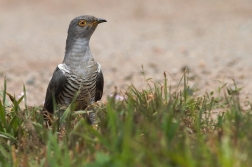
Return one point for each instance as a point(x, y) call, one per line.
point(185, 68)
point(31, 81)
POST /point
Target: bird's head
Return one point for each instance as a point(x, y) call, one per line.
point(83, 26)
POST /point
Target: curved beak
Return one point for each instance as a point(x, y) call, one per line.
point(100, 20)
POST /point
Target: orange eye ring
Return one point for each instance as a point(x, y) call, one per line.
point(82, 23)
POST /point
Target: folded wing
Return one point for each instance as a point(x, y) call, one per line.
point(55, 87)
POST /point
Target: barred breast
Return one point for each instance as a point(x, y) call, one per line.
point(75, 83)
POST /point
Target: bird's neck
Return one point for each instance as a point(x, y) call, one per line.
point(77, 52)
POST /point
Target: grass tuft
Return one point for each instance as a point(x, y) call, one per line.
point(156, 126)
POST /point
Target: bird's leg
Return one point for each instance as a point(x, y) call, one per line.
point(91, 115)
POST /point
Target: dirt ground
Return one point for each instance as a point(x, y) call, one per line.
point(213, 38)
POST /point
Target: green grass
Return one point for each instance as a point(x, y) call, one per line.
point(156, 126)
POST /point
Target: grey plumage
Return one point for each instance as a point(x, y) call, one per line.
point(79, 70)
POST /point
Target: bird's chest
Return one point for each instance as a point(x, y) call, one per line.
point(80, 75)
point(81, 66)
point(83, 85)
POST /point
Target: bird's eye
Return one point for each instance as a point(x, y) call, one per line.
point(82, 23)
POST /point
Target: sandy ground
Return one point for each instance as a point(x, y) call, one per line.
point(211, 38)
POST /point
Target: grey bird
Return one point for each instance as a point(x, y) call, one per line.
point(78, 71)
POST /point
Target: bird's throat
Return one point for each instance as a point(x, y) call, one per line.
point(78, 55)
point(77, 51)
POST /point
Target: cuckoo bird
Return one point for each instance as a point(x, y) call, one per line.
point(78, 72)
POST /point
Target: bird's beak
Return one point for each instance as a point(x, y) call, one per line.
point(100, 20)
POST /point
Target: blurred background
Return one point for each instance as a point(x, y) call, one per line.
point(212, 38)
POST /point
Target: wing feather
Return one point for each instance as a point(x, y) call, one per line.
point(99, 86)
point(54, 89)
